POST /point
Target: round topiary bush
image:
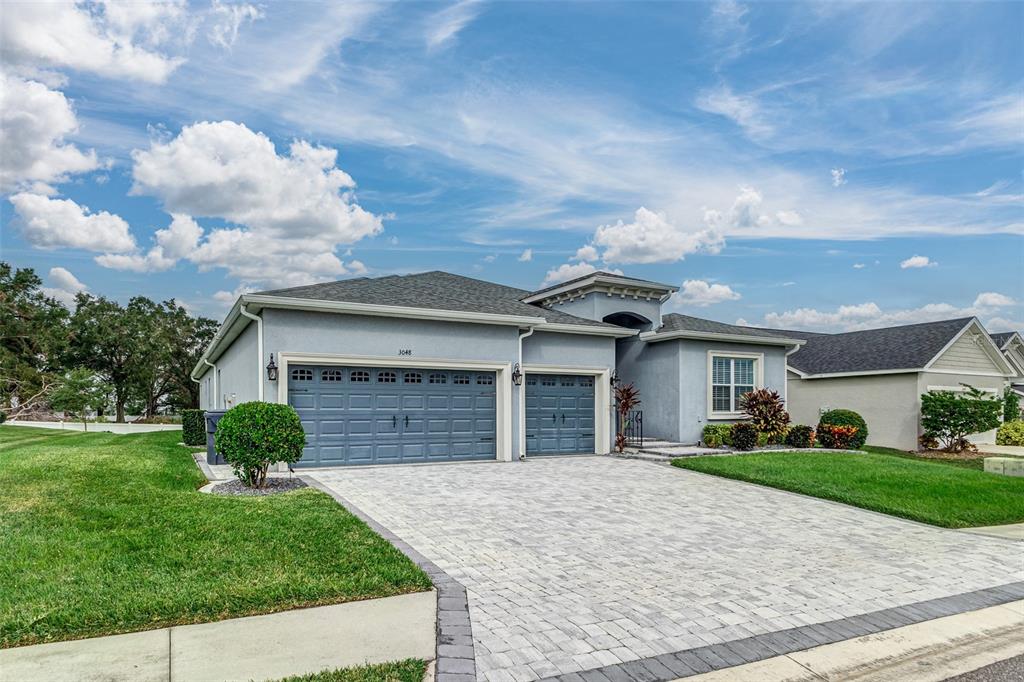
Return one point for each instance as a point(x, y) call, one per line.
point(252, 436)
point(744, 436)
point(1010, 433)
point(846, 418)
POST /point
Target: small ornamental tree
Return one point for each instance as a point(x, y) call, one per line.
point(767, 412)
point(846, 418)
point(627, 397)
point(193, 427)
point(952, 416)
point(252, 436)
point(1011, 405)
point(744, 436)
point(79, 391)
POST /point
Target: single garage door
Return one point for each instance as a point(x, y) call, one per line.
point(559, 414)
point(373, 415)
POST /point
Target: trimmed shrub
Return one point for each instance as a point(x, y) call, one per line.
point(1011, 405)
point(717, 435)
point(837, 437)
point(952, 416)
point(846, 418)
point(744, 436)
point(1011, 433)
point(767, 412)
point(800, 436)
point(193, 427)
point(252, 436)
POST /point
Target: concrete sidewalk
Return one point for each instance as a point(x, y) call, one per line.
point(924, 652)
point(264, 647)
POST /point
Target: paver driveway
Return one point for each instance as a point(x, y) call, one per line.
point(575, 563)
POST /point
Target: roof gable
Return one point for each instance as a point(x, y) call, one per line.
point(972, 351)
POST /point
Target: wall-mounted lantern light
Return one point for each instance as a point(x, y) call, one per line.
point(614, 377)
point(271, 369)
point(517, 376)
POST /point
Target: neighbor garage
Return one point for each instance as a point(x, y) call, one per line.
point(375, 415)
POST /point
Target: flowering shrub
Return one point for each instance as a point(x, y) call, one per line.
point(846, 418)
point(837, 437)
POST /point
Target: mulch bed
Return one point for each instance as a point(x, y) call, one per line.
point(272, 487)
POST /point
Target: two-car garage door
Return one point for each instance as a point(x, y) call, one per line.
point(374, 415)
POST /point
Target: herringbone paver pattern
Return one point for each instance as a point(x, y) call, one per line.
point(576, 563)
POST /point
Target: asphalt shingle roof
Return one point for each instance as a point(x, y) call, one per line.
point(674, 322)
point(1001, 338)
point(908, 347)
point(433, 291)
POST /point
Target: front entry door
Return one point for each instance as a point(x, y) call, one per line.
point(559, 414)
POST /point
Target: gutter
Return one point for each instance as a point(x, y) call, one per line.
point(654, 337)
point(259, 349)
point(522, 399)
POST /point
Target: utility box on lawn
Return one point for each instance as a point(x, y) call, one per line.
point(1007, 466)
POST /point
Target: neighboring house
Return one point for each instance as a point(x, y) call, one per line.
point(439, 367)
point(1012, 346)
point(881, 373)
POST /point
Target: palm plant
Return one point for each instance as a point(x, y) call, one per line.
point(627, 397)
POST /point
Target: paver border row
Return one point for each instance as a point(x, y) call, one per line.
point(455, 659)
point(760, 647)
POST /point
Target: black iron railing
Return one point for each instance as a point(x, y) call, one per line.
point(632, 428)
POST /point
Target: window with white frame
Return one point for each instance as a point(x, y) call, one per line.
point(731, 377)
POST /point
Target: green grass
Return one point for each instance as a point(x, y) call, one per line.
point(104, 533)
point(922, 490)
point(410, 670)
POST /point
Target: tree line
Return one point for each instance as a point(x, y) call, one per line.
point(112, 358)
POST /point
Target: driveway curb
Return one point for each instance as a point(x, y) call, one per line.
point(456, 655)
point(761, 647)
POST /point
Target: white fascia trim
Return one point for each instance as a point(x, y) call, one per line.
point(502, 370)
point(583, 329)
point(345, 307)
point(604, 405)
point(655, 337)
point(229, 321)
point(794, 370)
point(966, 372)
point(599, 279)
point(994, 352)
point(867, 373)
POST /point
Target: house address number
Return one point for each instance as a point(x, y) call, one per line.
point(405, 351)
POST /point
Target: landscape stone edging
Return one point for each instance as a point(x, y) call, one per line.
point(456, 655)
point(769, 645)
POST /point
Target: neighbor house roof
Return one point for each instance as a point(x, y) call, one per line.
point(1002, 338)
point(676, 326)
point(433, 291)
point(908, 347)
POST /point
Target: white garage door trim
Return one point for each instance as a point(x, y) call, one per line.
point(502, 370)
point(603, 404)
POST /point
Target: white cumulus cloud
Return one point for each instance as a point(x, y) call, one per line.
point(567, 271)
point(64, 286)
point(293, 210)
point(651, 238)
point(838, 177)
point(112, 39)
point(992, 299)
point(586, 254)
point(34, 121)
point(526, 256)
point(918, 262)
point(53, 223)
point(697, 292)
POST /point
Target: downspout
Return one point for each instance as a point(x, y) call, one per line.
point(785, 384)
point(216, 387)
point(259, 349)
point(522, 398)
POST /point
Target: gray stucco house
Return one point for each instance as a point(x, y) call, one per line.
point(881, 373)
point(439, 367)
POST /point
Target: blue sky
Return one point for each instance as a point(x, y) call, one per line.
point(824, 166)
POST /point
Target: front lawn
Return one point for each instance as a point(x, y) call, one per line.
point(410, 670)
point(939, 494)
point(966, 459)
point(104, 533)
